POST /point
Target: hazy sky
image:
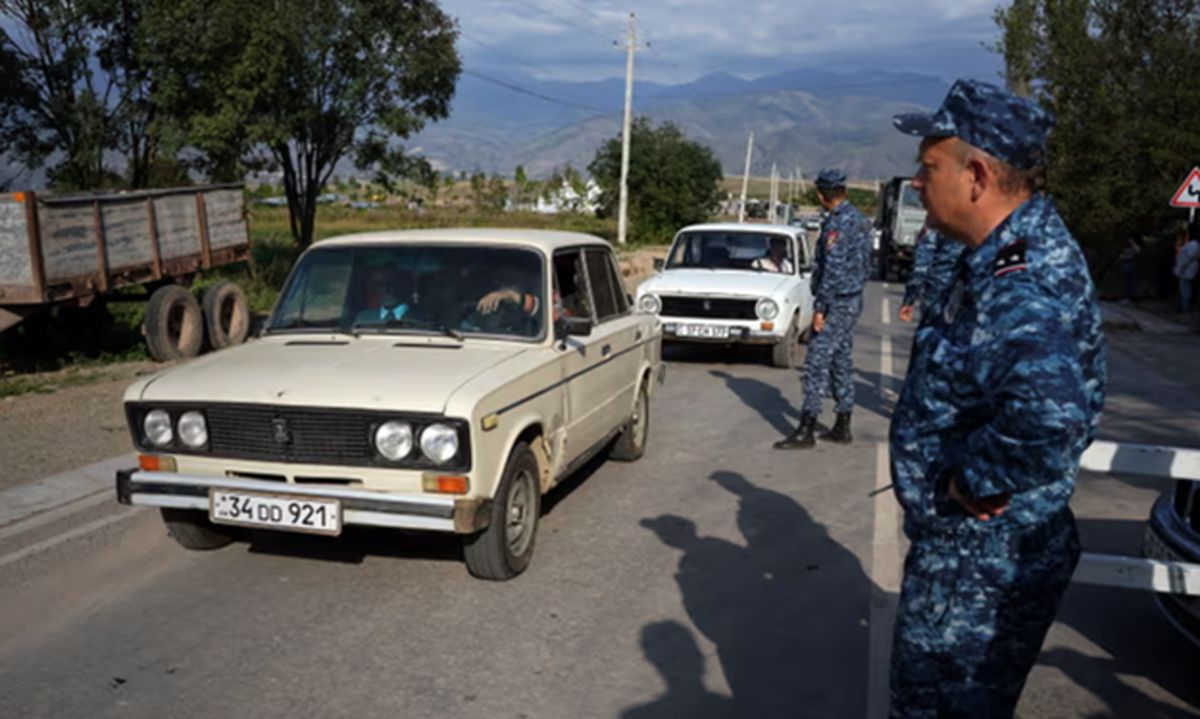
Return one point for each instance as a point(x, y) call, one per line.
point(573, 39)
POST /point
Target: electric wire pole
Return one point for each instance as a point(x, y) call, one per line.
point(746, 178)
point(623, 211)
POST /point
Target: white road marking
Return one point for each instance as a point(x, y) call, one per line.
point(58, 539)
point(885, 556)
point(53, 515)
point(886, 311)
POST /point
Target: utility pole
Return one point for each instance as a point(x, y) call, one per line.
point(774, 193)
point(746, 178)
point(623, 212)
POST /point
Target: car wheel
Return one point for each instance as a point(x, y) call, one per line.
point(631, 444)
point(174, 325)
point(783, 354)
point(226, 315)
point(192, 530)
point(503, 550)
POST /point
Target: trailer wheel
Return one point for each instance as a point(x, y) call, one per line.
point(226, 315)
point(174, 326)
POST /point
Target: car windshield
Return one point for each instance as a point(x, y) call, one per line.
point(426, 289)
point(725, 250)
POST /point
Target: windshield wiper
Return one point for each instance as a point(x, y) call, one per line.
point(393, 324)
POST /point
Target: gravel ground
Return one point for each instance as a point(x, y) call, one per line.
point(44, 434)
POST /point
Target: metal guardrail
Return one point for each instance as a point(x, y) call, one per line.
point(1168, 464)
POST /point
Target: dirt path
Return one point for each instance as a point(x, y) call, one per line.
point(44, 434)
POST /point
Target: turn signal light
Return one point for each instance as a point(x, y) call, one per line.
point(154, 463)
point(442, 484)
point(767, 326)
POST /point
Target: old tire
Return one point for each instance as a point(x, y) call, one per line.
point(504, 549)
point(226, 315)
point(631, 444)
point(192, 530)
point(783, 353)
point(174, 326)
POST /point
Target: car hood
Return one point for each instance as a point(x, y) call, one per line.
point(370, 372)
point(716, 283)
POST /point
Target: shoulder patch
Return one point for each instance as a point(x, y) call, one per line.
point(1010, 258)
point(831, 238)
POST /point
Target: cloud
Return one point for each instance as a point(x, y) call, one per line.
point(573, 39)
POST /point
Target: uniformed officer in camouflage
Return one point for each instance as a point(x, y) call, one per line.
point(842, 264)
point(1003, 395)
point(934, 261)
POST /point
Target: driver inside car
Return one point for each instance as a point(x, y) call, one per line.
point(383, 298)
point(776, 259)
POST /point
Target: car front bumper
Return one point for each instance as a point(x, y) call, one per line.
point(360, 507)
point(1169, 538)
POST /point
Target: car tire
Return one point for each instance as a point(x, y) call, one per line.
point(783, 353)
point(174, 325)
point(192, 530)
point(631, 443)
point(226, 315)
point(504, 549)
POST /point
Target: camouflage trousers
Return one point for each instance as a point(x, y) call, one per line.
point(830, 358)
point(974, 609)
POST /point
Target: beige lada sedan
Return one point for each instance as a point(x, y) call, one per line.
point(439, 380)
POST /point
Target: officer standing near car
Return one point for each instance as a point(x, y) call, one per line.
point(1003, 394)
point(843, 262)
point(933, 268)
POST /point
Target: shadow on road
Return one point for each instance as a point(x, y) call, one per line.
point(1102, 677)
point(764, 398)
point(672, 649)
point(786, 610)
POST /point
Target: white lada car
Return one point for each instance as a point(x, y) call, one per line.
point(735, 284)
point(439, 380)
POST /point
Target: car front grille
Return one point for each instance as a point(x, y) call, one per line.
point(290, 435)
point(709, 307)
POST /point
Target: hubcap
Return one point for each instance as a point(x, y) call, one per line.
point(519, 519)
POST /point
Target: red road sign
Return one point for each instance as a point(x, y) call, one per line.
point(1188, 194)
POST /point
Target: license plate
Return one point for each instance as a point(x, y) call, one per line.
point(718, 332)
point(274, 511)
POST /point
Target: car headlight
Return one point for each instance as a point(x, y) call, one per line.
point(394, 440)
point(767, 309)
point(157, 426)
point(650, 304)
point(439, 443)
point(193, 430)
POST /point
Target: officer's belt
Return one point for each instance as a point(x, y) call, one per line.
point(996, 537)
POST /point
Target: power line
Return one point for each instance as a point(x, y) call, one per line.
point(541, 96)
point(565, 21)
point(503, 53)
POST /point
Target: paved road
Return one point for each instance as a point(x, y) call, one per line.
point(714, 578)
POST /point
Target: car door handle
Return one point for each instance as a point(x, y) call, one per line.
point(606, 350)
point(638, 335)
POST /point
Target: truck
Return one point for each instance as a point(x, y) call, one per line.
point(77, 250)
point(899, 220)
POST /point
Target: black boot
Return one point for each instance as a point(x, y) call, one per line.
point(841, 430)
point(802, 438)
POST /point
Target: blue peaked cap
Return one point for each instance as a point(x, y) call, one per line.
point(1008, 127)
point(829, 178)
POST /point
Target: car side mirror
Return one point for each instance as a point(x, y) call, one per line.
point(572, 327)
point(659, 263)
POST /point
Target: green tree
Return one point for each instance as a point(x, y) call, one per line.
point(673, 181)
point(75, 90)
point(300, 85)
point(1111, 71)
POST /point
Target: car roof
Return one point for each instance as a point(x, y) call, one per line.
point(546, 240)
point(744, 227)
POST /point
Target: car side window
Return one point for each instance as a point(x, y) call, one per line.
point(570, 286)
point(614, 276)
point(603, 293)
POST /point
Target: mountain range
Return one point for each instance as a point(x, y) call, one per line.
point(804, 118)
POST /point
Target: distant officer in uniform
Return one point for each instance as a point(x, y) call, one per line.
point(1003, 395)
point(933, 268)
point(843, 262)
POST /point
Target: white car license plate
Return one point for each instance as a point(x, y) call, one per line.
point(715, 332)
point(273, 511)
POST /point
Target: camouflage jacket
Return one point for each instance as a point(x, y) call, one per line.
point(1006, 381)
point(933, 268)
point(843, 256)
